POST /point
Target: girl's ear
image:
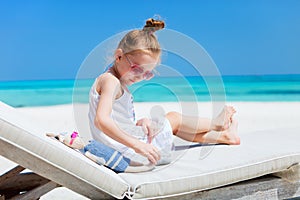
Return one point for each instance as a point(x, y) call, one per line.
point(118, 54)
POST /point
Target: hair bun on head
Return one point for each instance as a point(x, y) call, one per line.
point(153, 25)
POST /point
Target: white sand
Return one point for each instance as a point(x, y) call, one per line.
point(252, 116)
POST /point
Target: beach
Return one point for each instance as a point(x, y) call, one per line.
point(251, 116)
point(58, 57)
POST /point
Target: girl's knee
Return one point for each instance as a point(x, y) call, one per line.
point(174, 119)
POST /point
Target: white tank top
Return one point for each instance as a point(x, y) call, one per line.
point(122, 113)
point(124, 116)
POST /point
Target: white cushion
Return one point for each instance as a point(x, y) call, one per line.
point(208, 167)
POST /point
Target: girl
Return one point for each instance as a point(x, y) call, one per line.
point(111, 112)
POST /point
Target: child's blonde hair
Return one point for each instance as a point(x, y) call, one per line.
point(143, 40)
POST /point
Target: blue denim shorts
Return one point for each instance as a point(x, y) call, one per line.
point(107, 156)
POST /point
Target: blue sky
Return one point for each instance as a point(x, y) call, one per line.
point(49, 39)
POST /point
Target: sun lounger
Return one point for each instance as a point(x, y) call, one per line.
point(196, 170)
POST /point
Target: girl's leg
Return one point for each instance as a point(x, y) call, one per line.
point(195, 125)
point(188, 124)
point(202, 129)
point(228, 136)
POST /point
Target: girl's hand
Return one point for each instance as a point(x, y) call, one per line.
point(148, 127)
point(147, 150)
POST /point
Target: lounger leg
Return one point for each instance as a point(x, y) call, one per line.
point(16, 185)
point(292, 174)
point(13, 172)
point(37, 192)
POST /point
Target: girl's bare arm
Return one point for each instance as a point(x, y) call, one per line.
point(109, 88)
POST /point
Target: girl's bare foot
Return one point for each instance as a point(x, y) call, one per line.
point(223, 120)
point(230, 136)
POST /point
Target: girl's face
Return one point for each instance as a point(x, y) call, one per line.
point(136, 67)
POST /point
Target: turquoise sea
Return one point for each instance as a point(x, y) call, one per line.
point(161, 89)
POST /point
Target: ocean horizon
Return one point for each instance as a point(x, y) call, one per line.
point(265, 88)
